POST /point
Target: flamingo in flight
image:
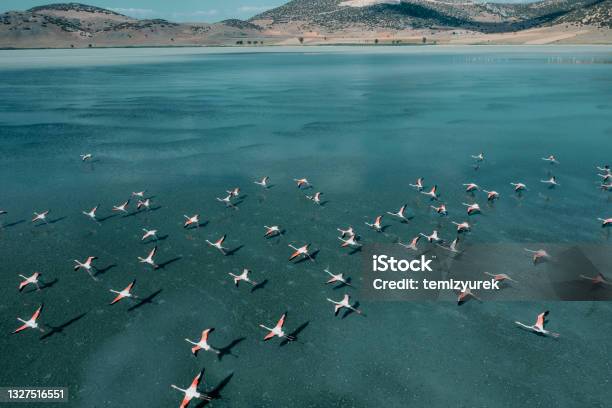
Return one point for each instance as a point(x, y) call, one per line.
point(336, 278)
point(605, 222)
point(538, 326)
point(301, 251)
point(149, 234)
point(551, 159)
point(500, 277)
point(349, 231)
point(433, 193)
point(277, 331)
point(263, 182)
point(413, 244)
point(203, 343)
point(218, 244)
point(538, 255)
point(470, 187)
point(192, 392)
point(244, 276)
point(472, 208)
point(30, 280)
point(121, 207)
point(125, 293)
point(149, 259)
point(31, 322)
point(418, 184)
point(400, 213)
point(91, 213)
point(463, 226)
point(315, 198)
point(597, 280)
point(376, 225)
point(518, 187)
point(41, 217)
point(272, 231)
point(87, 265)
point(303, 182)
point(193, 220)
point(344, 303)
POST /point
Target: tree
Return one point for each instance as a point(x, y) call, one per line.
point(376, 41)
point(424, 40)
point(301, 40)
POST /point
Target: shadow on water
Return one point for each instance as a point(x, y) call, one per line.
point(108, 217)
point(233, 251)
point(51, 222)
point(259, 285)
point(215, 393)
point(146, 300)
point(12, 224)
point(294, 334)
point(60, 329)
point(166, 263)
point(102, 271)
point(227, 350)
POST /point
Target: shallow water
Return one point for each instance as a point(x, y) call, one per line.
point(361, 124)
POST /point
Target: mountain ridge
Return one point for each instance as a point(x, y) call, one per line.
point(78, 25)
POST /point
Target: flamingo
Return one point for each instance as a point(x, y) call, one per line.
point(86, 156)
point(538, 255)
point(605, 222)
point(518, 187)
point(552, 181)
point(235, 192)
point(491, 195)
point(244, 276)
point(272, 231)
point(400, 213)
point(551, 159)
point(479, 157)
point(413, 243)
point(344, 303)
point(146, 204)
point(316, 198)
point(433, 238)
point(277, 330)
point(263, 182)
point(121, 207)
point(469, 187)
point(149, 234)
point(203, 343)
point(303, 182)
point(139, 194)
point(87, 265)
point(597, 280)
point(336, 278)
point(30, 323)
point(192, 391)
point(227, 200)
point(41, 217)
point(125, 293)
point(149, 259)
point(351, 241)
point(440, 209)
point(91, 213)
point(463, 226)
point(27, 280)
point(376, 224)
point(433, 193)
point(418, 184)
point(538, 326)
point(349, 231)
point(463, 295)
point(472, 208)
point(453, 246)
point(193, 220)
point(301, 251)
point(500, 277)
point(218, 244)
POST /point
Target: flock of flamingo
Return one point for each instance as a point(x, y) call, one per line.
point(348, 238)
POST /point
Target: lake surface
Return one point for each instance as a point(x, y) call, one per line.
point(361, 124)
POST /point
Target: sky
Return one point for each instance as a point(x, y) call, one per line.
point(176, 10)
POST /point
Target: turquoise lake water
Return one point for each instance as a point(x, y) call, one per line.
point(361, 124)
